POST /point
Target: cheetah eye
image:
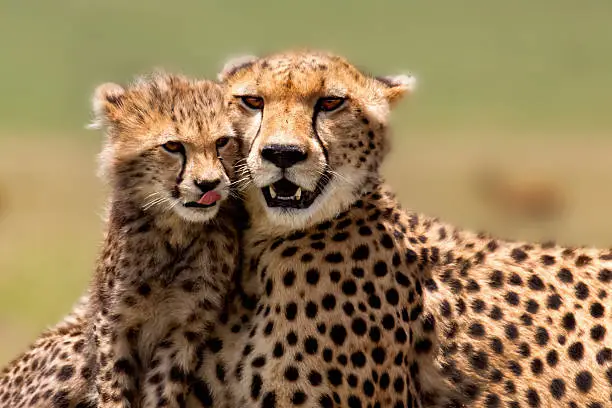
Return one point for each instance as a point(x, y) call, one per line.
point(173, 146)
point(222, 141)
point(330, 104)
point(253, 102)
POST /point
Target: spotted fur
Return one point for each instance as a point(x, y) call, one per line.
point(164, 268)
point(354, 302)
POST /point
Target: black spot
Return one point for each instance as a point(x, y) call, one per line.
point(329, 302)
point(582, 290)
point(423, 346)
point(269, 400)
point(311, 310)
point(349, 287)
point(312, 276)
point(380, 269)
point(537, 366)
point(554, 302)
point(365, 231)
point(597, 310)
point(557, 388)
point(289, 251)
point(584, 381)
point(256, 383)
point(565, 275)
point(291, 311)
point(552, 358)
point(340, 237)
point(576, 351)
point(289, 278)
point(518, 255)
point(532, 306)
point(605, 275)
point(533, 399)
point(334, 376)
point(497, 345)
point(392, 297)
point(542, 336)
point(338, 334)
point(298, 398)
point(334, 258)
point(358, 359)
point(535, 283)
point(292, 374)
point(386, 241)
point(65, 373)
point(362, 252)
point(496, 279)
point(598, 332)
point(569, 322)
point(512, 298)
point(315, 378)
point(476, 330)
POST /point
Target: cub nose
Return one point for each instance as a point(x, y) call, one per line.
point(207, 185)
point(282, 155)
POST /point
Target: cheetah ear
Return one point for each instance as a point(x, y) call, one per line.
point(397, 86)
point(234, 65)
point(106, 104)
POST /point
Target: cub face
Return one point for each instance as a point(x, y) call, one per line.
point(313, 131)
point(170, 145)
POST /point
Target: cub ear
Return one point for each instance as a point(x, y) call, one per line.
point(234, 65)
point(397, 86)
point(106, 103)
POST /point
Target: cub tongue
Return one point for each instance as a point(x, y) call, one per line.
point(209, 197)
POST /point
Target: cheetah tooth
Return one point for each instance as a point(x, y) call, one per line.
point(272, 192)
point(298, 194)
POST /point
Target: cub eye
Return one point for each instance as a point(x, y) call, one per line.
point(330, 104)
point(253, 102)
point(222, 141)
point(173, 147)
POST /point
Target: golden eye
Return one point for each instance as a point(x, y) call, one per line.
point(253, 102)
point(222, 141)
point(330, 104)
point(173, 147)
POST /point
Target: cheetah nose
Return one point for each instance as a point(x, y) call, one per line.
point(284, 156)
point(206, 185)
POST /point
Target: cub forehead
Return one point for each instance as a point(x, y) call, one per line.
point(191, 110)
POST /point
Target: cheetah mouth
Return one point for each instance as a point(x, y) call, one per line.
point(194, 204)
point(285, 194)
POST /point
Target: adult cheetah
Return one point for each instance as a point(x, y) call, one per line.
point(168, 257)
point(350, 301)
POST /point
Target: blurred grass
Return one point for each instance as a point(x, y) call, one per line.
point(522, 84)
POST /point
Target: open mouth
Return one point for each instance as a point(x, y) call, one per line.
point(286, 194)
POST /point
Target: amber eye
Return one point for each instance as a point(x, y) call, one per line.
point(330, 104)
point(222, 141)
point(173, 147)
point(253, 102)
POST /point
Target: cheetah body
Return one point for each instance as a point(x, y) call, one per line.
point(358, 303)
point(166, 262)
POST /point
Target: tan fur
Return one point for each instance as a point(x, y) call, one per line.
point(164, 268)
point(354, 302)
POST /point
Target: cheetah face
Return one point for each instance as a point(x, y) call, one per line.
point(170, 146)
point(312, 126)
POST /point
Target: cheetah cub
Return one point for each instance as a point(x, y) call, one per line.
point(171, 248)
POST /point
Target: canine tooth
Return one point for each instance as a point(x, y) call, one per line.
point(298, 193)
point(272, 192)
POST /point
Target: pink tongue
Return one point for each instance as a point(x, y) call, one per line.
point(209, 198)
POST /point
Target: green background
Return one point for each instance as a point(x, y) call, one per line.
point(519, 89)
